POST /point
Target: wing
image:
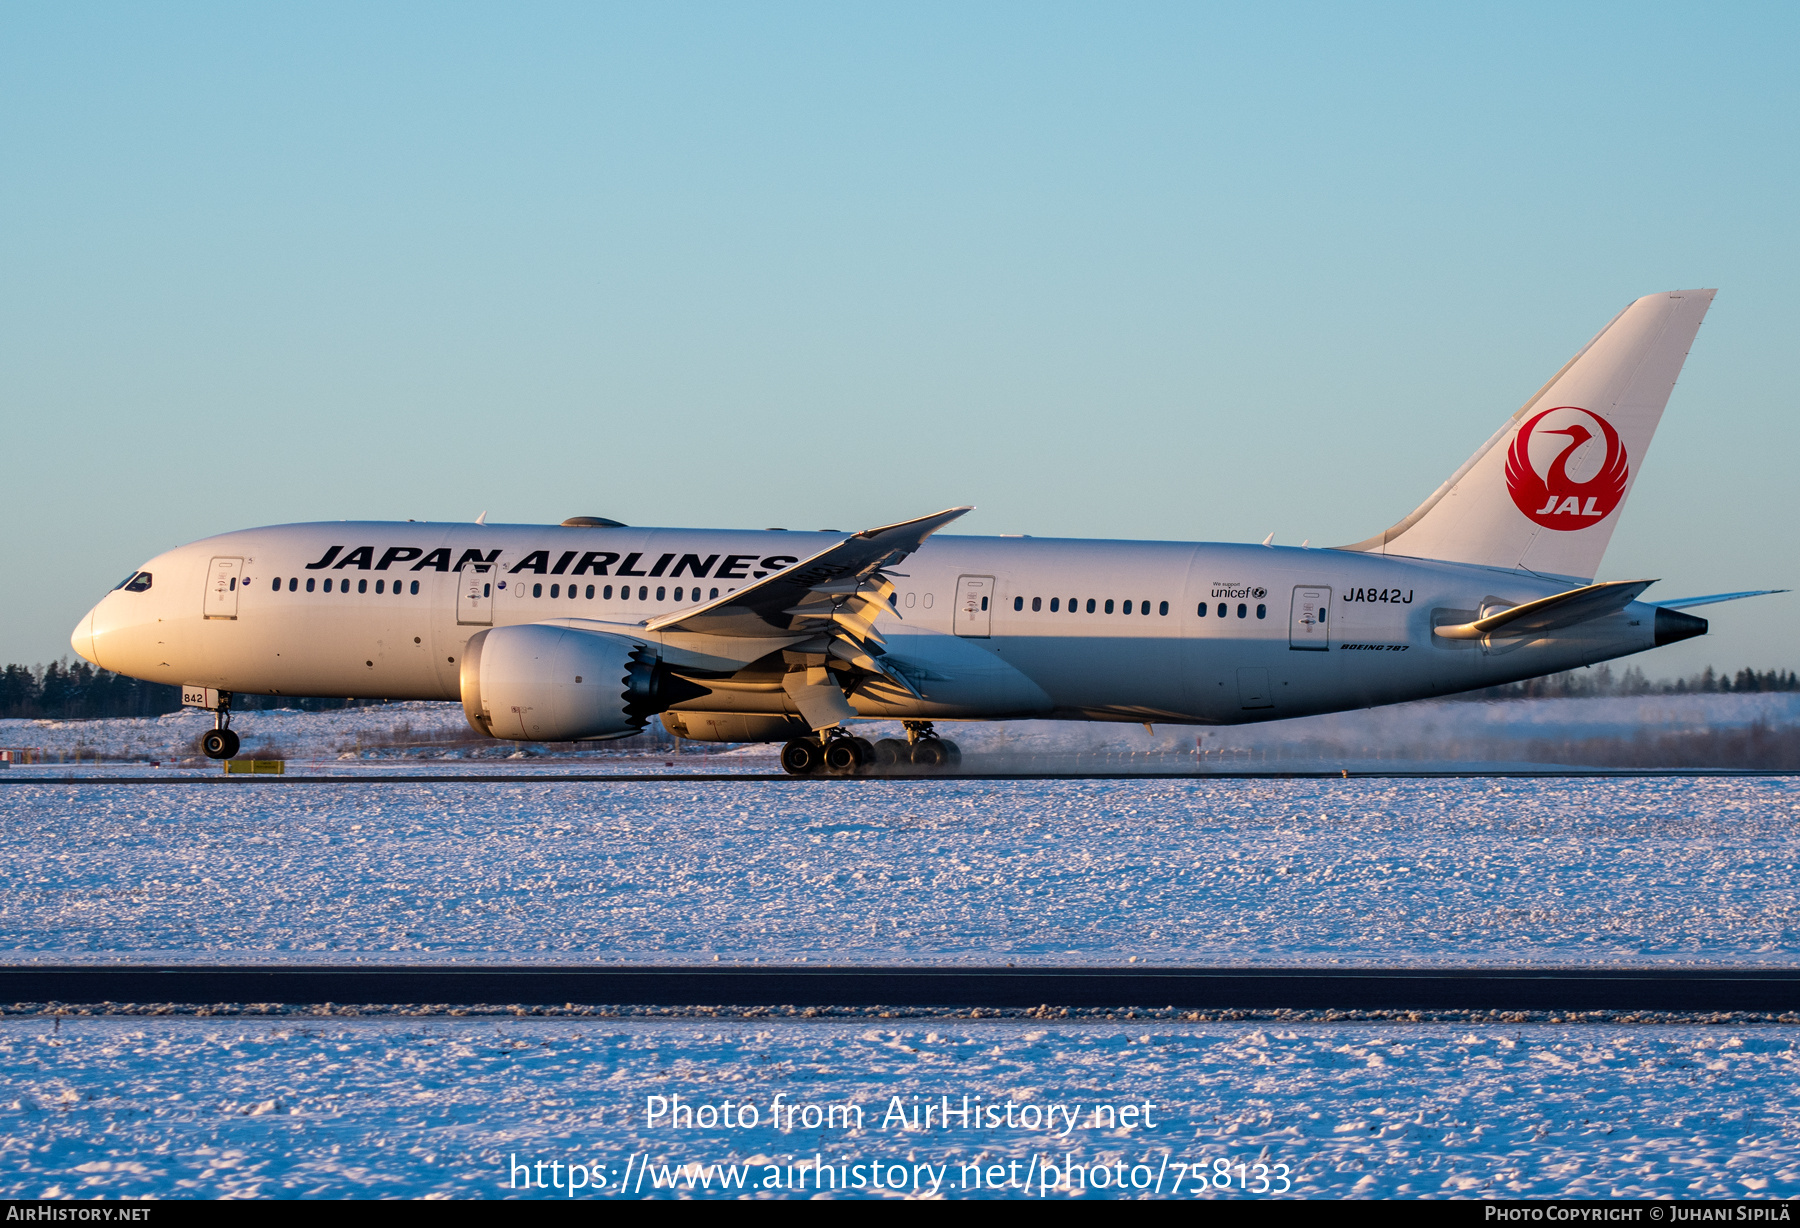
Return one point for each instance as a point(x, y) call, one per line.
point(831, 599)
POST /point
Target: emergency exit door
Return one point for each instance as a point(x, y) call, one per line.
point(223, 579)
point(974, 605)
point(475, 607)
point(1309, 620)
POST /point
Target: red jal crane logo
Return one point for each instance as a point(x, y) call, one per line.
point(1554, 499)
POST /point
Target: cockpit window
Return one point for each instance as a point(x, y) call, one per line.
point(122, 583)
point(138, 583)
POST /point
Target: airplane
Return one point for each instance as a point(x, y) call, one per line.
point(589, 629)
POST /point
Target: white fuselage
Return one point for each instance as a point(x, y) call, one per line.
point(987, 628)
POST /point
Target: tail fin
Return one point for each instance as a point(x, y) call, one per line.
point(1544, 494)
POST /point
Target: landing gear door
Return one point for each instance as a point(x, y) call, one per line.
point(223, 579)
point(974, 606)
point(475, 604)
point(1309, 620)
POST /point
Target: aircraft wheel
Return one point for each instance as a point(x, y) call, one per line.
point(846, 756)
point(890, 753)
point(219, 744)
point(952, 753)
point(932, 754)
point(802, 757)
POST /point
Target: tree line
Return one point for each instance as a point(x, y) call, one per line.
point(63, 691)
point(1601, 682)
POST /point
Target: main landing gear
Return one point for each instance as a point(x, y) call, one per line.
point(219, 742)
point(839, 753)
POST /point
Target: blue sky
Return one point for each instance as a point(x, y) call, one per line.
point(1102, 270)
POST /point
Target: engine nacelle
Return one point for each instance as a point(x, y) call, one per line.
point(539, 683)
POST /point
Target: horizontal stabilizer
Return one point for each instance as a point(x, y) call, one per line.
point(1578, 605)
point(1688, 603)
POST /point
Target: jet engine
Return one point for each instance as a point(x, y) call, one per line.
point(541, 683)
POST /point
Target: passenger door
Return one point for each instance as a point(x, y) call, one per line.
point(1309, 628)
point(223, 578)
point(475, 607)
point(974, 606)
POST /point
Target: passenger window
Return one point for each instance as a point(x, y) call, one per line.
point(277, 585)
point(309, 584)
point(1109, 605)
point(1055, 602)
point(1201, 612)
point(660, 593)
point(1037, 603)
point(556, 590)
point(1242, 612)
point(1090, 608)
point(380, 585)
point(1163, 609)
point(715, 597)
point(590, 592)
point(486, 589)
point(1221, 609)
point(537, 590)
point(643, 592)
point(362, 586)
point(1018, 603)
point(606, 592)
point(234, 584)
point(415, 588)
point(984, 603)
point(328, 585)
point(293, 583)
point(910, 598)
point(677, 592)
point(1262, 611)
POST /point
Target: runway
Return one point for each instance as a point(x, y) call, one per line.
point(1510, 989)
point(554, 778)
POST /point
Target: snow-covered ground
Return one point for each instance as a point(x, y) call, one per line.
point(461, 1108)
point(1415, 734)
point(1155, 870)
point(1608, 870)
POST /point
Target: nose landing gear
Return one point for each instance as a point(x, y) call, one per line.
point(220, 742)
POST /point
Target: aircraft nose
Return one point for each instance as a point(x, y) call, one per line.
point(82, 639)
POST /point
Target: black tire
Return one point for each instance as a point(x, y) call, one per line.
point(929, 753)
point(219, 744)
point(844, 756)
point(890, 753)
point(953, 753)
point(802, 757)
